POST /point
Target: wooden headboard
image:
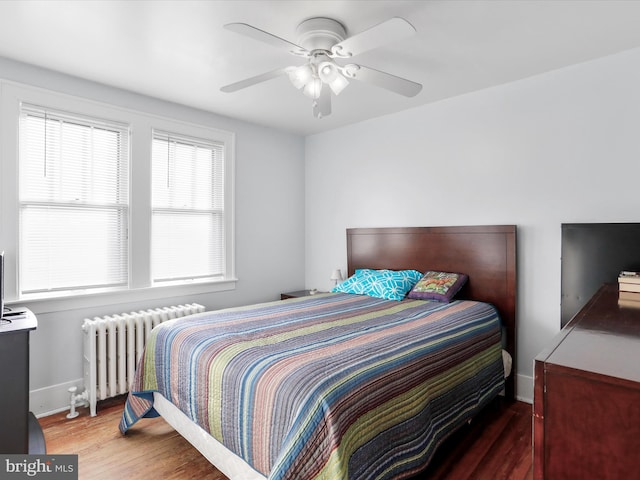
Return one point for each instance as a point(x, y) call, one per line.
point(486, 253)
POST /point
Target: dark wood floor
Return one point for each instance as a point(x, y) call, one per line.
point(495, 446)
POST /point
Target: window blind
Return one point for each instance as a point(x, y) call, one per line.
point(187, 208)
point(73, 202)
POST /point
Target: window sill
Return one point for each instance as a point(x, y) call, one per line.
point(93, 300)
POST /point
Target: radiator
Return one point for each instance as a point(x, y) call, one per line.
point(113, 345)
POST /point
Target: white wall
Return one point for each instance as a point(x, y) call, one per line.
point(269, 229)
point(557, 148)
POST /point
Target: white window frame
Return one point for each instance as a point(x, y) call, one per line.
point(142, 124)
point(213, 210)
point(44, 188)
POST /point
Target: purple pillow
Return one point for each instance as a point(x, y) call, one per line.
point(439, 286)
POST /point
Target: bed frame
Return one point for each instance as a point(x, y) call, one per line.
point(486, 253)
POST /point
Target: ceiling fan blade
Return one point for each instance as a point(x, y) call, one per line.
point(394, 29)
point(382, 79)
point(266, 37)
point(322, 106)
point(247, 82)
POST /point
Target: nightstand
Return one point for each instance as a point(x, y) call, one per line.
point(296, 294)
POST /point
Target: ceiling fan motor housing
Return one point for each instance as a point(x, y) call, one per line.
point(320, 33)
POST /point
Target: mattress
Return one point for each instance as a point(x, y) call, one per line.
point(331, 386)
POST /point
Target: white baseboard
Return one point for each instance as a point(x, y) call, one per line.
point(54, 399)
point(524, 388)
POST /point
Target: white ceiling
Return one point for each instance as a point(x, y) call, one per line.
point(179, 50)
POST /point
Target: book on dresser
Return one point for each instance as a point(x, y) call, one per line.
point(629, 299)
point(629, 281)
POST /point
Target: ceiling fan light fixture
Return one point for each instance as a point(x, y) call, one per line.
point(300, 76)
point(330, 74)
point(338, 84)
point(313, 88)
point(327, 71)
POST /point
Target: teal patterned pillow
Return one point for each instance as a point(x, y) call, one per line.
point(387, 284)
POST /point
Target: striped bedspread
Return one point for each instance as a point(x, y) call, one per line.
point(331, 386)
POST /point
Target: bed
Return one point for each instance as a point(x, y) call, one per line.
point(337, 385)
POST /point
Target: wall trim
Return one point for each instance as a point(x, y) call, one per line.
point(54, 399)
point(524, 388)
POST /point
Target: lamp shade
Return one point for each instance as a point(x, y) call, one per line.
point(313, 88)
point(338, 84)
point(329, 74)
point(327, 71)
point(336, 275)
point(301, 75)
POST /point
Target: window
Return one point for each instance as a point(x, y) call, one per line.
point(187, 208)
point(73, 201)
point(105, 205)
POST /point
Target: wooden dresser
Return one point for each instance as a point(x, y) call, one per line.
point(587, 395)
point(20, 431)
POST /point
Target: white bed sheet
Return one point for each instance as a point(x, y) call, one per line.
point(221, 457)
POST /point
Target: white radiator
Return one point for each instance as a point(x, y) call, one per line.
point(112, 347)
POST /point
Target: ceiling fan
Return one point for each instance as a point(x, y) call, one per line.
point(322, 41)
